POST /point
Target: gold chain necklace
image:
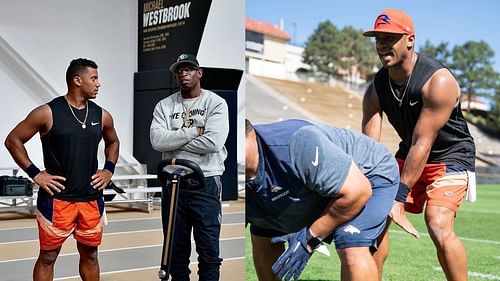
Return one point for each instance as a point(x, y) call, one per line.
point(400, 100)
point(86, 113)
point(186, 110)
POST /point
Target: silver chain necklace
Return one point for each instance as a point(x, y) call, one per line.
point(400, 100)
point(74, 115)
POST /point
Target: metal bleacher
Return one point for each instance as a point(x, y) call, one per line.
point(137, 194)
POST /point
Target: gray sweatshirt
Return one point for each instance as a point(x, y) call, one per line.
point(174, 130)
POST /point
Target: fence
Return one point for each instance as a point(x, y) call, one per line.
point(488, 175)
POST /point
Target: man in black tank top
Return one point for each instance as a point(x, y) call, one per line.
point(70, 194)
point(420, 98)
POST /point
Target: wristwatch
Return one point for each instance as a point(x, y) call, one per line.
point(312, 241)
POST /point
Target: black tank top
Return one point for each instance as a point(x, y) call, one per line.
point(454, 144)
point(71, 151)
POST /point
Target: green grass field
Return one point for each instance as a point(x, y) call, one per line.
point(478, 225)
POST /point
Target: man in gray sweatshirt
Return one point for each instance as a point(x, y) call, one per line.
point(193, 124)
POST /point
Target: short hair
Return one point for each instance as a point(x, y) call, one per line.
point(248, 127)
point(77, 67)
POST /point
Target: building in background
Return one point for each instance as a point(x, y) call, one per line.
point(478, 106)
point(268, 52)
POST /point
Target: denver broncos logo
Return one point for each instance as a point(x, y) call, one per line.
point(383, 19)
point(351, 229)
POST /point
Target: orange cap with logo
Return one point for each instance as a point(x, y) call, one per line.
point(392, 21)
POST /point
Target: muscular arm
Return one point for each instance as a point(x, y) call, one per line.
point(372, 114)
point(38, 120)
point(440, 95)
point(214, 134)
point(111, 150)
point(351, 199)
point(111, 141)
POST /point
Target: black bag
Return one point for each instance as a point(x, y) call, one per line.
point(15, 186)
point(111, 185)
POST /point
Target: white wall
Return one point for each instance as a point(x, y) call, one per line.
point(274, 49)
point(266, 68)
point(293, 58)
point(223, 41)
point(223, 45)
point(47, 35)
point(14, 108)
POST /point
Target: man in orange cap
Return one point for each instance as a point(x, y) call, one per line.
point(420, 98)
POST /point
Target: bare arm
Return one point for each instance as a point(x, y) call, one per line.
point(372, 126)
point(438, 104)
point(38, 120)
point(111, 151)
point(111, 141)
point(351, 199)
point(372, 114)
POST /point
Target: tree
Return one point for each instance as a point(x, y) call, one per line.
point(494, 117)
point(473, 67)
point(356, 50)
point(439, 52)
point(330, 50)
point(321, 51)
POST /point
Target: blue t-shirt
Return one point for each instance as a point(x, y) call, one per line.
point(302, 165)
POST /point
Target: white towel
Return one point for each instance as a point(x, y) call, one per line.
point(104, 217)
point(471, 190)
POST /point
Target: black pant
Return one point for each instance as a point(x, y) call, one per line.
point(199, 210)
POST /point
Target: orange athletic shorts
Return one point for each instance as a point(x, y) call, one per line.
point(438, 186)
point(58, 219)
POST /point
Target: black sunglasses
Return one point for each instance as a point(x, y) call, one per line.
point(189, 68)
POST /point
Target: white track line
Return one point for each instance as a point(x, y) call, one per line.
point(476, 274)
point(17, 228)
point(114, 250)
point(120, 220)
point(18, 242)
point(461, 238)
point(479, 211)
point(138, 269)
point(114, 233)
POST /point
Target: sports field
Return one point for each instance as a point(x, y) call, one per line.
point(410, 259)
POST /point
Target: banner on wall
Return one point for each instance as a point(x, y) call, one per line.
point(168, 28)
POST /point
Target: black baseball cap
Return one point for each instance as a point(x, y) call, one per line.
point(184, 58)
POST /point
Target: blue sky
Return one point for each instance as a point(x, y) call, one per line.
point(438, 21)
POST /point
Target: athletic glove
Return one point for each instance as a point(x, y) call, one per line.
point(403, 191)
point(293, 261)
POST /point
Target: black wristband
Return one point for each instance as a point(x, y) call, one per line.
point(403, 191)
point(110, 166)
point(312, 241)
point(32, 171)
